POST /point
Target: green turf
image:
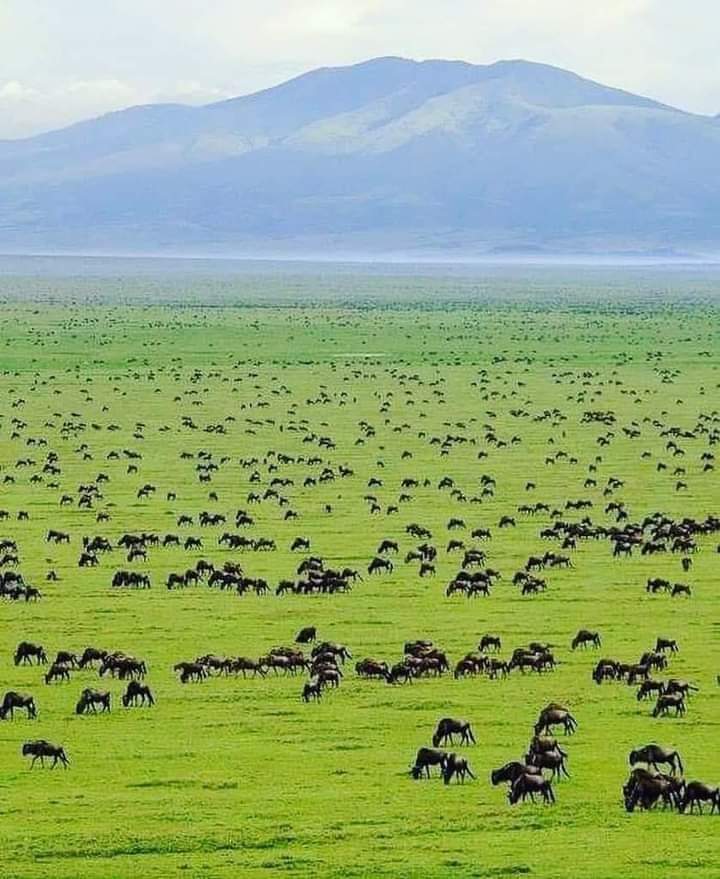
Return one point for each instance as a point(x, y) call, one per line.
point(240, 778)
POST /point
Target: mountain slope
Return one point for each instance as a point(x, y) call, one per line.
point(388, 154)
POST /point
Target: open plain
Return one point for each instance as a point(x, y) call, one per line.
point(359, 419)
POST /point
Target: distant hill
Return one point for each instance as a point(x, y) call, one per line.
point(387, 155)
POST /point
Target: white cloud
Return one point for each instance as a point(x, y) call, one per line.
point(68, 59)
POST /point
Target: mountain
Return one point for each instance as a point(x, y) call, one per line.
point(387, 155)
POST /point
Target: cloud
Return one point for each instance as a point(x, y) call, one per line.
point(16, 91)
point(72, 59)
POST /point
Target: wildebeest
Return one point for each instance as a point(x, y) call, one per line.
point(668, 702)
point(510, 772)
point(456, 766)
point(427, 758)
point(371, 668)
point(137, 692)
point(555, 715)
point(41, 749)
point(645, 789)
point(90, 656)
point(90, 699)
point(449, 727)
point(26, 652)
point(306, 635)
point(244, 664)
point(648, 688)
point(190, 671)
point(696, 793)
point(312, 690)
point(553, 760)
point(652, 755)
point(12, 700)
point(585, 637)
point(527, 785)
point(379, 564)
point(58, 671)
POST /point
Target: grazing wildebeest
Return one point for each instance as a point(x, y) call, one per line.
point(90, 699)
point(657, 584)
point(683, 687)
point(244, 664)
point(378, 564)
point(58, 672)
point(680, 589)
point(456, 766)
point(449, 727)
point(312, 690)
point(696, 793)
point(88, 560)
point(552, 760)
point(90, 656)
point(26, 652)
point(121, 666)
point(585, 637)
point(371, 668)
point(306, 635)
point(425, 759)
point(646, 789)
point(663, 644)
point(339, 650)
point(528, 785)
point(328, 677)
point(13, 700)
point(543, 744)
point(510, 772)
point(648, 688)
point(668, 702)
point(190, 671)
point(57, 536)
point(489, 641)
point(554, 715)
point(400, 673)
point(300, 543)
point(41, 749)
point(653, 754)
point(65, 657)
point(136, 691)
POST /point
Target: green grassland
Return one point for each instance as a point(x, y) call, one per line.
point(236, 777)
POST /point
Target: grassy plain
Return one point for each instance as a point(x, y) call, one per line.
point(240, 778)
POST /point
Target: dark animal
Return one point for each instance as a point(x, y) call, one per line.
point(41, 749)
point(449, 727)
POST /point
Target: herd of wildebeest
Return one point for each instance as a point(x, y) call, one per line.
point(226, 539)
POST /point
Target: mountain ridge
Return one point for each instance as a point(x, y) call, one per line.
point(386, 153)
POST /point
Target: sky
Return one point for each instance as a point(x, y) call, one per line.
point(65, 60)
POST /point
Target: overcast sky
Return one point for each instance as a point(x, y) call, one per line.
point(64, 60)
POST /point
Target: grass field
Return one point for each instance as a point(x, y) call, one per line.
point(234, 777)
